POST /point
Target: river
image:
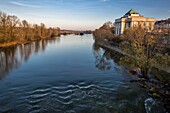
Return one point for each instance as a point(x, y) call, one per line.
point(66, 74)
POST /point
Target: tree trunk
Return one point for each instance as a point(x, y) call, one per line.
point(144, 72)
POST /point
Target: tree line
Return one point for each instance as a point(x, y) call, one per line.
point(12, 29)
point(105, 32)
point(143, 53)
point(143, 47)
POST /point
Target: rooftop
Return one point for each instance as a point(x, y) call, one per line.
point(132, 11)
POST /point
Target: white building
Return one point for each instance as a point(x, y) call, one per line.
point(163, 24)
point(133, 19)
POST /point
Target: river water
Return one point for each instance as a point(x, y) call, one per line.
point(67, 74)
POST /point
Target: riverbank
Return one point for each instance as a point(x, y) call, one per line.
point(157, 88)
point(8, 44)
point(107, 45)
point(13, 43)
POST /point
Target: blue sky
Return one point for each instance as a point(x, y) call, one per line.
point(82, 14)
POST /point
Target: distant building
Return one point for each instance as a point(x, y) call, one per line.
point(162, 24)
point(133, 19)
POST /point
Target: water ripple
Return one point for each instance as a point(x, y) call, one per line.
point(70, 97)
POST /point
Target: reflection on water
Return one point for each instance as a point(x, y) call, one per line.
point(102, 58)
point(65, 75)
point(12, 57)
point(8, 61)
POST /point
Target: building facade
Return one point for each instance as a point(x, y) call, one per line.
point(163, 24)
point(133, 19)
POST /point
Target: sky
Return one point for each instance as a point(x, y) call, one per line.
point(82, 14)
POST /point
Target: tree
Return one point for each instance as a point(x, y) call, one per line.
point(35, 30)
point(24, 26)
point(56, 31)
point(13, 23)
point(1, 29)
point(42, 30)
point(13, 30)
point(102, 34)
point(27, 31)
point(107, 25)
point(143, 50)
point(105, 32)
point(4, 24)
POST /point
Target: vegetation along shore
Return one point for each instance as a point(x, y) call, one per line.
point(15, 31)
point(140, 53)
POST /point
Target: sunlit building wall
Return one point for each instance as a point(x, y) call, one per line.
point(133, 19)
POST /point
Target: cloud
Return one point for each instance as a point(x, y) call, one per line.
point(24, 4)
point(168, 11)
point(105, 0)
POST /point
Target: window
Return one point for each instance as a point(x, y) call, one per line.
point(150, 25)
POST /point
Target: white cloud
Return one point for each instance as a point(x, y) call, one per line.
point(105, 0)
point(23, 4)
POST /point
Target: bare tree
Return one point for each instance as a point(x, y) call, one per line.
point(25, 29)
point(12, 29)
point(13, 22)
point(36, 30)
point(42, 29)
point(4, 24)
